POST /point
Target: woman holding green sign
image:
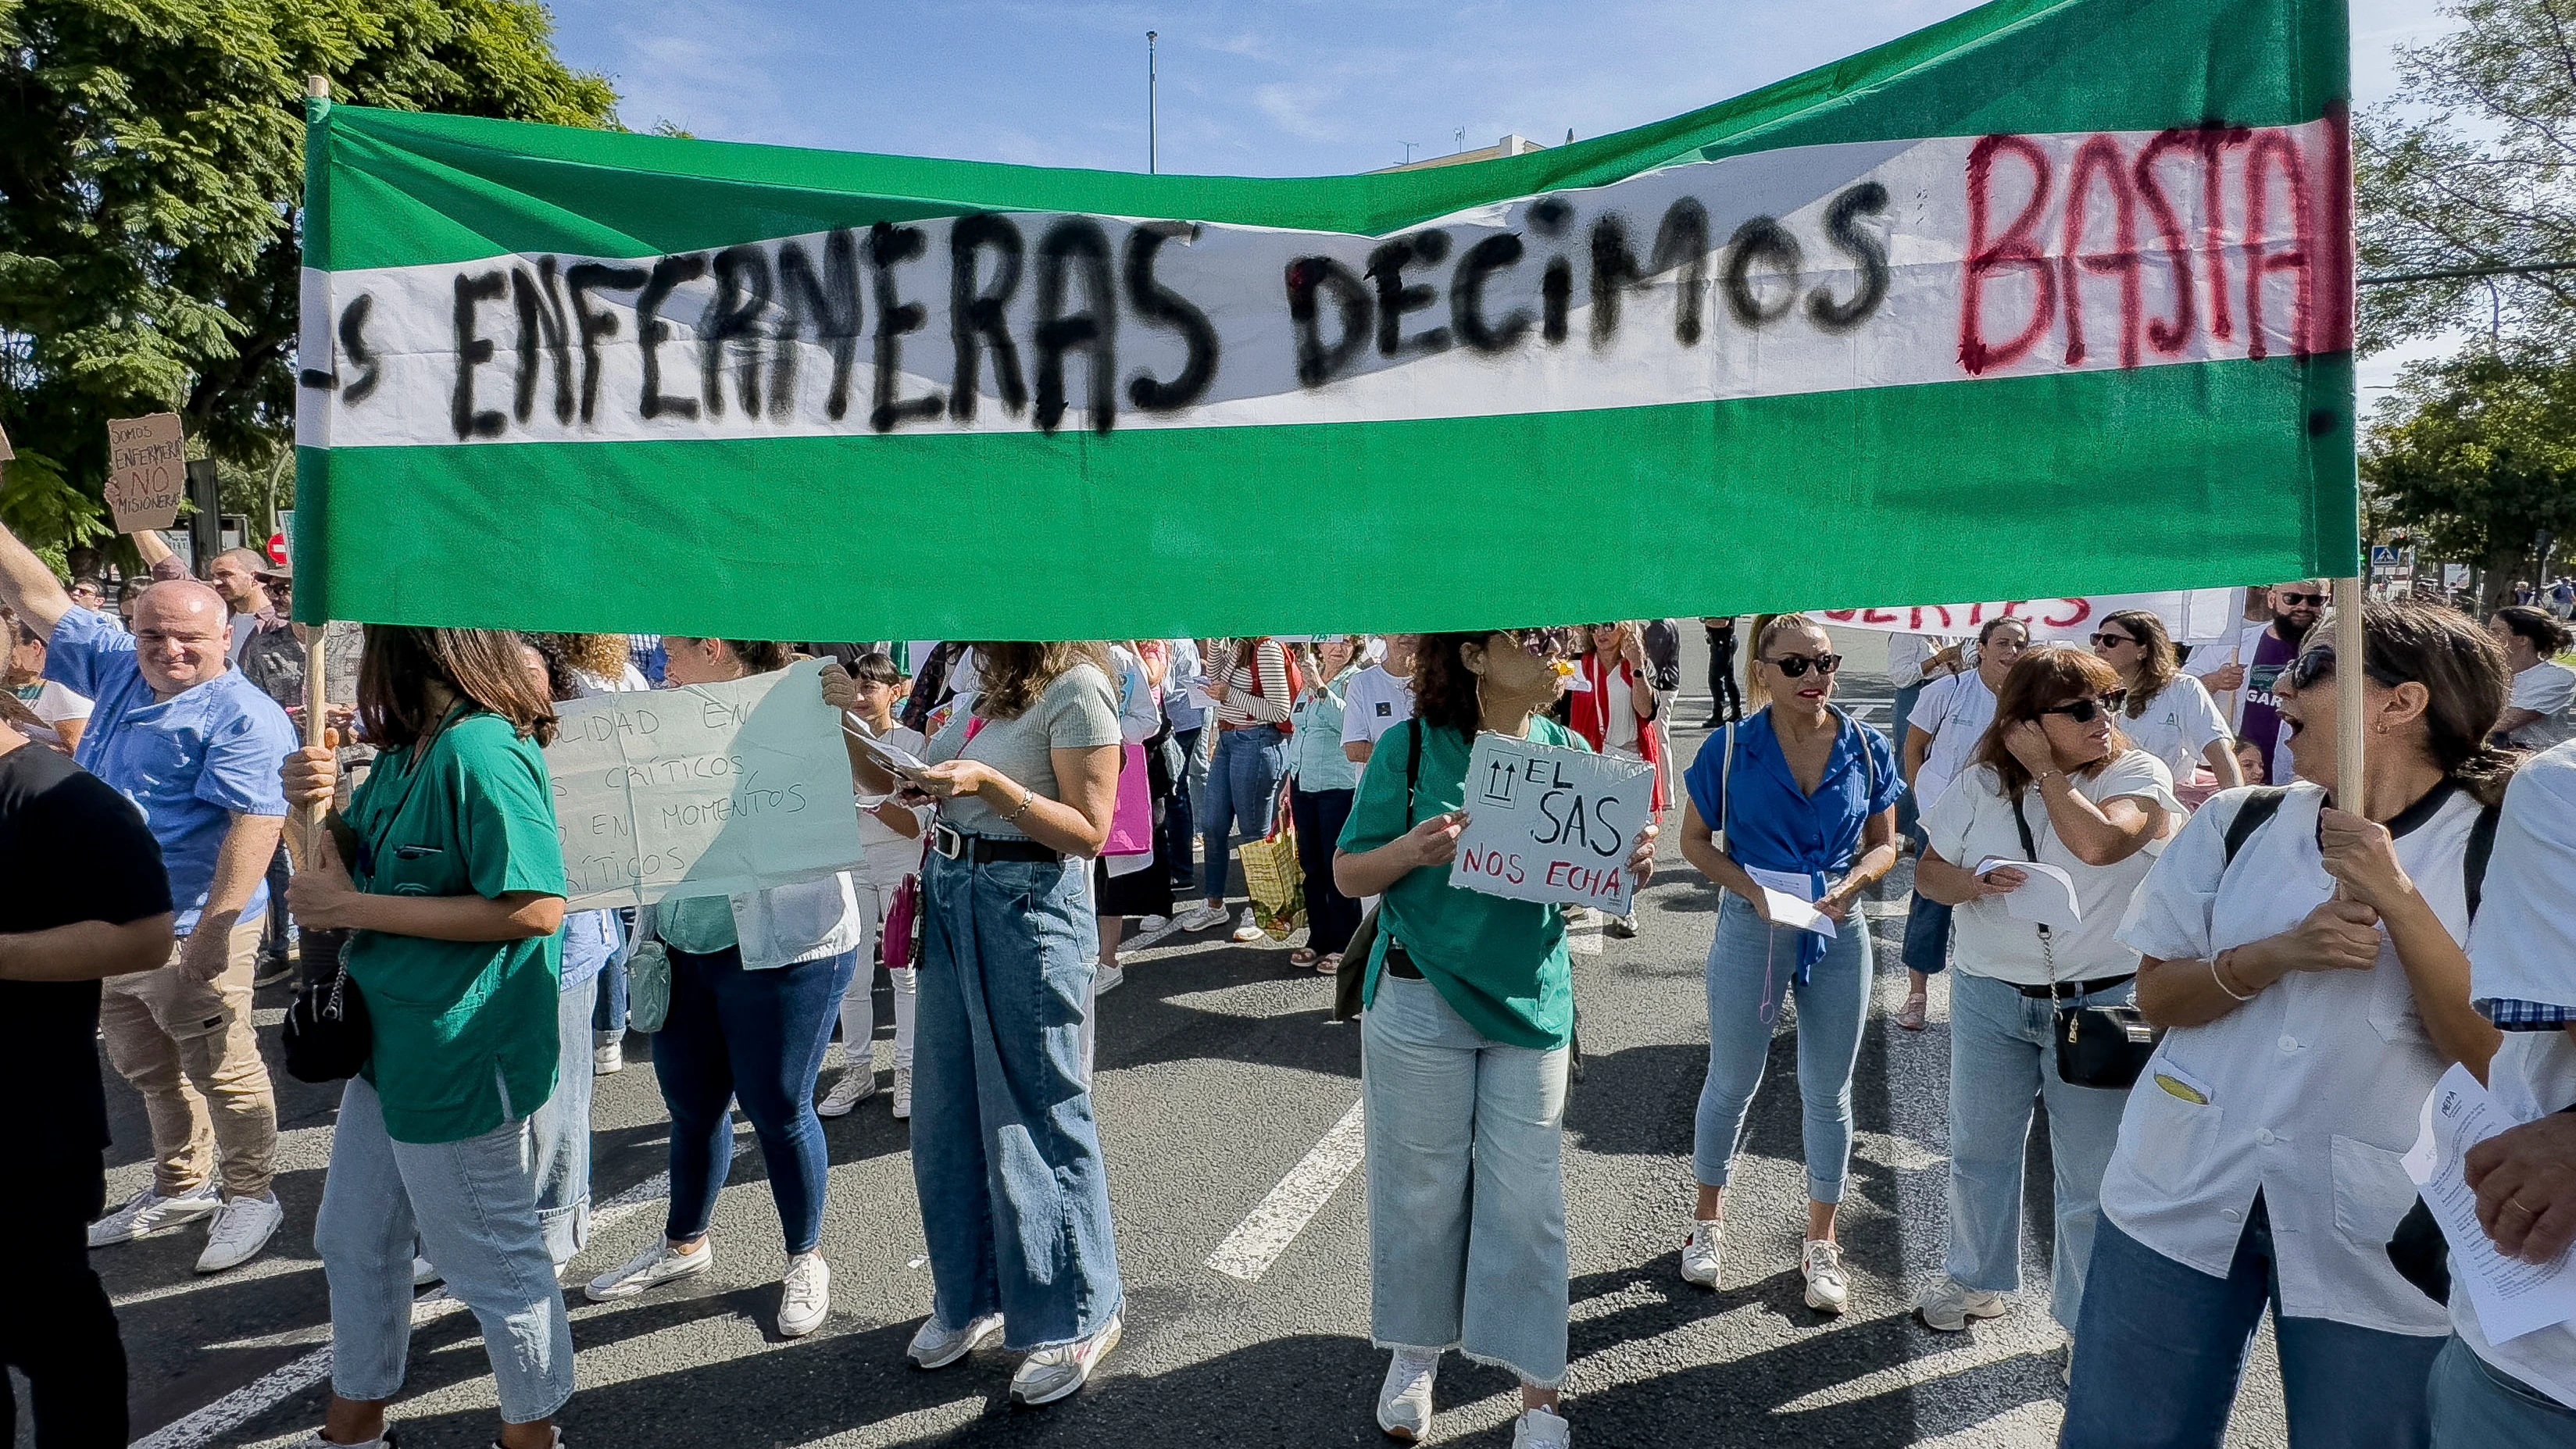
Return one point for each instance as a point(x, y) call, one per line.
point(1470, 1006)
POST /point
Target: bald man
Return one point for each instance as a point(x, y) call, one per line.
point(235, 575)
point(197, 749)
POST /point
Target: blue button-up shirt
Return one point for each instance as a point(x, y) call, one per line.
point(1771, 824)
point(1315, 746)
point(189, 763)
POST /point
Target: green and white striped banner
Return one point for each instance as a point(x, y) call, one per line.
point(2054, 297)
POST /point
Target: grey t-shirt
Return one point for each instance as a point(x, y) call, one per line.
point(1076, 712)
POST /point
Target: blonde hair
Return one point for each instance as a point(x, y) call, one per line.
point(1765, 628)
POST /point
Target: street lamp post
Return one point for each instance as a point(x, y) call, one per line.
point(1152, 162)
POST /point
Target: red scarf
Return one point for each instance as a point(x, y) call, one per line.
point(1588, 710)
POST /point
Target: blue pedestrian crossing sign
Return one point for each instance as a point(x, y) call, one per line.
point(2382, 556)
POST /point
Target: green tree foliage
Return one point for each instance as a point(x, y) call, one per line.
point(2472, 167)
point(151, 177)
point(2476, 454)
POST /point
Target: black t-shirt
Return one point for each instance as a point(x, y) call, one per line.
point(71, 850)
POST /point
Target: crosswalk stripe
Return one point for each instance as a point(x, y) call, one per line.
point(1257, 1242)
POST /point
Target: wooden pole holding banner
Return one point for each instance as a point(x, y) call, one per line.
point(2350, 680)
point(308, 818)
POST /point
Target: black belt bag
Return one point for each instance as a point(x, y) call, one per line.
point(2097, 1046)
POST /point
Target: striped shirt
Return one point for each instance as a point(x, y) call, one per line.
point(1243, 707)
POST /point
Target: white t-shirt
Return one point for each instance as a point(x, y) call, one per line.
point(2547, 690)
point(2313, 1089)
point(1972, 820)
point(629, 680)
point(2523, 947)
point(53, 704)
point(1374, 703)
point(1955, 712)
point(2179, 726)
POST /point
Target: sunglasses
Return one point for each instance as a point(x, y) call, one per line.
point(2111, 641)
point(1796, 665)
point(1543, 643)
point(2296, 599)
point(2085, 711)
point(2319, 664)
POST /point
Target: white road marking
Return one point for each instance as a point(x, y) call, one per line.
point(1258, 1241)
point(280, 1384)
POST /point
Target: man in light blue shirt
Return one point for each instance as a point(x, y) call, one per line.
point(197, 749)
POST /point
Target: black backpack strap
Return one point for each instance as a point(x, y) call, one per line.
point(1412, 770)
point(2473, 861)
point(2261, 804)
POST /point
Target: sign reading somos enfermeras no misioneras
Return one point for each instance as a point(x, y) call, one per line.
point(2055, 295)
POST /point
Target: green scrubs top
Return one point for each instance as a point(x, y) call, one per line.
point(466, 1036)
point(1500, 964)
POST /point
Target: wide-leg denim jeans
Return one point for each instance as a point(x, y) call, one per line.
point(562, 1130)
point(1466, 1187)
point(2003, 1054)
point(1005, 1155)
point(473, 1205)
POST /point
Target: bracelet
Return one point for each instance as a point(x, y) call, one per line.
point(2044, 776)
point(2220, 976)
point(1026, 795)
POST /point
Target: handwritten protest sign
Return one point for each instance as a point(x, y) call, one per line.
point(6, 455)
point(147, 470)
point(2188, 615)
point(1545, 823)
point(705, 790)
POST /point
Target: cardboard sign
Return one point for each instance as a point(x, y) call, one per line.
point(147, 471)
point(6, 455)
point(1546, 823)
point(703, 790)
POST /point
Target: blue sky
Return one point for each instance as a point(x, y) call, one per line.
point(1287, 87)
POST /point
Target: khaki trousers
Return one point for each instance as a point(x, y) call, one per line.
point(184, 1044)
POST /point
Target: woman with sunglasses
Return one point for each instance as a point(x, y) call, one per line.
point(2169, 713)
point(1470, 1007)
point(2306, 959)
point(1944, 728)
point(1805, 799)
point(2053, 781)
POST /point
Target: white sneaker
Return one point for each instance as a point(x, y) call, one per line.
point(424, 1272)
point(1828, 1289)
point(1404, 1400)
point(1541, 1429)
point(650, 1269)
point(242, 1226)
point(1145, 925)
point(858, 1083)
point(607, 1053)
point(1109, 979)
point(903, 1094)
point(315, 1440)
point(1700, 1253)
point(934, 1347)
point(148, 1212)
point(1054, 1373)
point(1248, 930)
point(1949, 1306)
point(805, 1299)
point(1202, 916)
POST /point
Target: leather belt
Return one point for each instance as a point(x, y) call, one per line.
point(957, 844)
point(2064, 990)
point(1400, 964)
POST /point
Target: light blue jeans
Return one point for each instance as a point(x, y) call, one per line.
point(1242, 785)
point(1005, 1155)
point(2003, 1053)
point(1751, 967)
point(562, 1131)
point(473, 1205)
point(2476, 1406)
point(1466, 1188)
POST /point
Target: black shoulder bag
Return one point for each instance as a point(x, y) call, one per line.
point(1353, 972)
point(2097, 1046)
point(328, 1036)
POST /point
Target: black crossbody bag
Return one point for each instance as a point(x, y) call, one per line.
point(1353, 972)
point(2097, 1046)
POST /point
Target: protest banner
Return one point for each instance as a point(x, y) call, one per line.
point(7, 455)
point(147, 471)
point(1547, 823)
point(710, 789)
point(1944, 302)
point(2189, 615)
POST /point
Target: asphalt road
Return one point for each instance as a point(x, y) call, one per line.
point(1220, 1077)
